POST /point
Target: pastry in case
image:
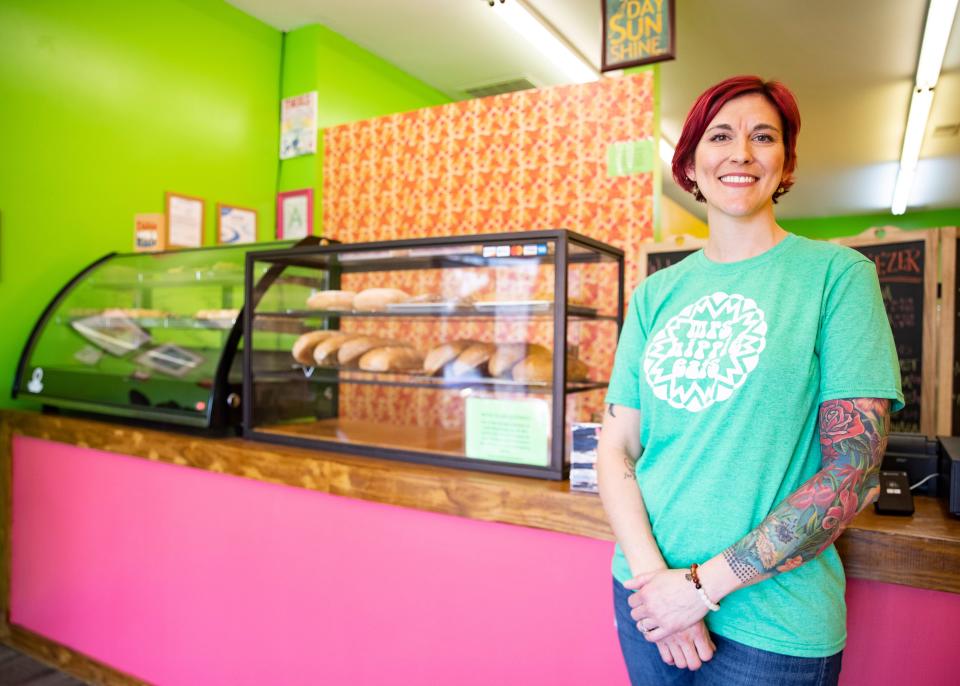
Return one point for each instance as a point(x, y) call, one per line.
point(393, 358)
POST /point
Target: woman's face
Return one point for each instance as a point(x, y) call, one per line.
point(738, 163)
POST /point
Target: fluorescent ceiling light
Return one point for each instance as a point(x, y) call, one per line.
point(532, 29)
point(901, 192)
point(666, 151)
point(935, 34)
point(916, 126)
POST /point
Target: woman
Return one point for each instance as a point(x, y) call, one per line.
point(747, 417)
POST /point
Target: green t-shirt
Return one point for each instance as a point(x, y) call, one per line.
point(728, 364)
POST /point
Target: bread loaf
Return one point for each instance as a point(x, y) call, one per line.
point(393, 358)
point(326, 351)
point(473, 360)
point(331, 300)
point(508, 354)
point(538, 368)
point(442, 355)
point(577, 369)
point(351, 350)
point(376, 299)
point(303, 348)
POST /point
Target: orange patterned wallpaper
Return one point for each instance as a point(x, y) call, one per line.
point(535, 159)
point(522, 161)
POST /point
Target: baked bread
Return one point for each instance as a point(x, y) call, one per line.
point(538, 368)
point(331, 300)
point(442, 355)
point(392, 358)
point(473, 360)
point(577, 369)
point(326, 351)
point(508, 354)
point(376, 299)
point(304, 346)
point(351, 350)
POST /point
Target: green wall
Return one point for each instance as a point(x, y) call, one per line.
point(352, 84)
point(835, 227)
point(107, 104)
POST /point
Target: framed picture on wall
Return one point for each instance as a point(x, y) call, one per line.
point(184, 221)
point(236, 224)
point(636, 33)
point(295, 214)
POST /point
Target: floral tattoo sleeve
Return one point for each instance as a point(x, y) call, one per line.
point(853, 437)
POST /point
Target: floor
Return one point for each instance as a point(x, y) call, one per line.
point(17, 669)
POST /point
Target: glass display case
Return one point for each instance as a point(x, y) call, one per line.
point(148, 336)
point(481, 351)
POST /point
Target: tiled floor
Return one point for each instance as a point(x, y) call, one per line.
point(17, 669)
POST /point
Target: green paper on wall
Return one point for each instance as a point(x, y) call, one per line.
point(630, 157)
point(508, 430)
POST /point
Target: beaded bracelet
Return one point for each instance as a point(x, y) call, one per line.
point(695, 578)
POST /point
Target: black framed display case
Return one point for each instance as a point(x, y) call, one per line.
point(478, 352)
point(145, 336)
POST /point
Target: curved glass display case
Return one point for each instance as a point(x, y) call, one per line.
point(148, 336)
point(483, 352)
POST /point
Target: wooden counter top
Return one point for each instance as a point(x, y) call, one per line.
point(921, 551)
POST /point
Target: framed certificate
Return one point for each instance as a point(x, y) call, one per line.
point(295, 214)
point(184, 221)
point(236, 224)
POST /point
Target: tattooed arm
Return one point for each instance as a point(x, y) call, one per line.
point(853, 437)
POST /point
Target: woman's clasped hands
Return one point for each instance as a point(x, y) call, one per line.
point(669, 612)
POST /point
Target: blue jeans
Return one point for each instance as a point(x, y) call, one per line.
point(733, 664)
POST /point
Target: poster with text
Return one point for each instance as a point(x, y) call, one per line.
point(298, 126)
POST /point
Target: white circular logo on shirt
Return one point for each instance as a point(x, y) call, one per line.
point(705, 353)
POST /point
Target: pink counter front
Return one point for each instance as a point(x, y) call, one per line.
point(181, 576)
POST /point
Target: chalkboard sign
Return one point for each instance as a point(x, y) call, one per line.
point(657, 256)
point(906, 267)
point(661, 260)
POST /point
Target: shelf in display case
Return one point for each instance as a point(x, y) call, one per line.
point(447, 442)
point(513, 310)
point(352, 375)
point(169, 322)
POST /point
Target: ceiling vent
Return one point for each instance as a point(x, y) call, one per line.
point(946, 130)
point(498, 88)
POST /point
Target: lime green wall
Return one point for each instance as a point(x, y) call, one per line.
point(106, 104)
point(834, 227)
point(352, 84)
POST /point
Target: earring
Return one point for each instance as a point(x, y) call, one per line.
point(696, 190)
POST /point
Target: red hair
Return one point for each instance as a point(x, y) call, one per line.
point(714, 98)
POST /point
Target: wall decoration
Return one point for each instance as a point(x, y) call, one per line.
point(534, 159)
point(236, 224)
point(298, 125)
point(637, 32)
point(295, 214)
point(184, 221)
point(149, 232)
